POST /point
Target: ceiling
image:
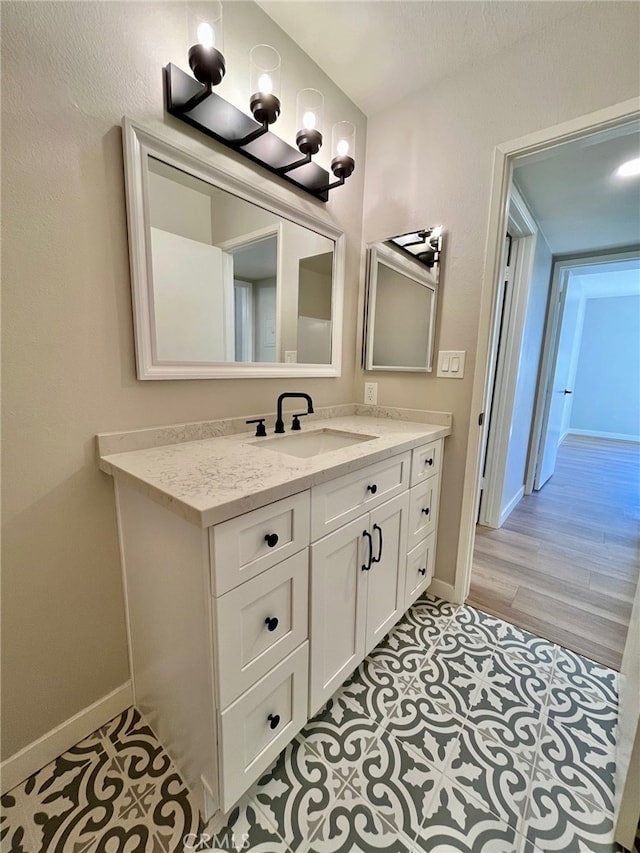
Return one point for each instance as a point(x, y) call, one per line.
point(379, 51)
point(578, 201)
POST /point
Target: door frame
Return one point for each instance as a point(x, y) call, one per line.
point(505, 361)
point(504, 156)
point(562, 269)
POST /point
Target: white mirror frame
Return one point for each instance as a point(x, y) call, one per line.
point(139, 143)
point(380, 252)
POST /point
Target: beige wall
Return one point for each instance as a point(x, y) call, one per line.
point(429, 161)
point(70, 72)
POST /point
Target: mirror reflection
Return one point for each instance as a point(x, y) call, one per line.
point(233, 281)
point(401, 312)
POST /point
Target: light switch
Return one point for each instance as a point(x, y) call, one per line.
point(451, 364)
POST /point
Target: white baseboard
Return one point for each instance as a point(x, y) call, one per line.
point(616, 436)
point(513, 503)
point(441, 589)
point(41, 752)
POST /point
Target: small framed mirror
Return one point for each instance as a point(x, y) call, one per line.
point(227, 281)
point(401, 305)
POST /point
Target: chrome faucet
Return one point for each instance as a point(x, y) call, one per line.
point(279, 422)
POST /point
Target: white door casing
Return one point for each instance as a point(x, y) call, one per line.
point(504, 156)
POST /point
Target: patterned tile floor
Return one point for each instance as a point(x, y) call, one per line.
point(459, 732)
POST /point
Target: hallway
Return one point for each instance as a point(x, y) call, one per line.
point(566, 562)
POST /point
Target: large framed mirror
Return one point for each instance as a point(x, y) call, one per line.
point(227, 281)
point(400, 313)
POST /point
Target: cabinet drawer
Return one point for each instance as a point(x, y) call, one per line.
point(243, 547)
point(259, 623)
point(423, 510)
point(420, 563)
point(342, 500)
point(248, 737)
point(426, 461)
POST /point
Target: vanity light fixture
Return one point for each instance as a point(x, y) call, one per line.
point(425, 245)
point(194, 102)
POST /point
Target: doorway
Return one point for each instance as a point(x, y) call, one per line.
point(612, 123)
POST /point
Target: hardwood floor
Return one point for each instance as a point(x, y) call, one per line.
point(566, 562)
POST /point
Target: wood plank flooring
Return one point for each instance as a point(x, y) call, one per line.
point(566, 562)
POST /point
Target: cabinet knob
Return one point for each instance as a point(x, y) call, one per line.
point(426, 510)
point(373, 489)
point(429, 461)
point(271, 539)
point(274, 720)
point(271, 622)
point(422, 571)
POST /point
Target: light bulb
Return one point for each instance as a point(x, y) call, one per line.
point(265, 84)
point(630, 168)
point(342, 148)
point(309, 120)
point(205, 34)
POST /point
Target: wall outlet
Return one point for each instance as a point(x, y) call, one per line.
point(370, 393)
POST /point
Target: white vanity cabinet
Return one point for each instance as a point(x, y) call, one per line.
point(357, 593)
point(239, 632)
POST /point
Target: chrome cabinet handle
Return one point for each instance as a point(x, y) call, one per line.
point(271, 539)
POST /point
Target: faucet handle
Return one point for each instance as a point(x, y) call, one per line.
point(261, 430)
point(295, 423)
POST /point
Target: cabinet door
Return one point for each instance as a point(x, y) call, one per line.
point(338, 608)
point(385, 593)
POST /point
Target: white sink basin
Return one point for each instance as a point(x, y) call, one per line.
point(313, 443)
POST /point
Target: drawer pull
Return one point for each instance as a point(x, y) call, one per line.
point(429, 461)
point(422, 571)
point(274, 720)
point(271, 622)
point(373, 489)
point(426, 510)
point(369, 537)
point(271, 539)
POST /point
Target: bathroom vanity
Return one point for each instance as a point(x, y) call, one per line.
point(259, 572)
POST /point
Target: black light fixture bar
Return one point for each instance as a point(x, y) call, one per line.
point(198, 106)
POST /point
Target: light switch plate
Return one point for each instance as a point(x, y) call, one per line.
point(451, 364)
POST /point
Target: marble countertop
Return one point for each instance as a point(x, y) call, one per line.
point(209, 480)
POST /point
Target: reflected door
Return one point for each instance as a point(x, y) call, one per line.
point(264, 300)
